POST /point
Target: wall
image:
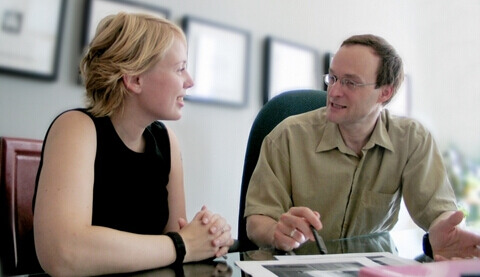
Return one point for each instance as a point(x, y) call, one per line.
point(432, 36)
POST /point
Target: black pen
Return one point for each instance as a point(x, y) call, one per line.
point(318, 239)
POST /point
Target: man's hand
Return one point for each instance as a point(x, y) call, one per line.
point(293, 228)
point(449, 241)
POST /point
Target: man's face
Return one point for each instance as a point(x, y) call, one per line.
point(360, 105)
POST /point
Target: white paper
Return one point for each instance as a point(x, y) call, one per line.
point(320, 265)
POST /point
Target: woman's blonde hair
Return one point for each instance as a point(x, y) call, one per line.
point(123, 44)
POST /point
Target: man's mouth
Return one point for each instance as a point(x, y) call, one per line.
point(336, 106)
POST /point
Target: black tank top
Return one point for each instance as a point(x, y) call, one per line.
point(130, 188)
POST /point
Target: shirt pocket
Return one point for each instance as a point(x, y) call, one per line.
point(378, 211)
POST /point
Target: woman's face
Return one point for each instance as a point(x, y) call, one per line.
point(164, 86)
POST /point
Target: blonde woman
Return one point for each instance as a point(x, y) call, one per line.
point(110, 195)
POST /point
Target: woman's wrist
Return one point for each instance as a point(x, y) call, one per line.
point(179, 247)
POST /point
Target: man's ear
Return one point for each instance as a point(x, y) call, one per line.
point(132, 83)
point(386, 93)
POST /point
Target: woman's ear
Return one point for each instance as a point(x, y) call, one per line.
point(132, 83)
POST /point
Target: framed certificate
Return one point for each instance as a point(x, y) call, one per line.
point(30, 36)
point(289, 66)
point(96, 10)
point(218, 58)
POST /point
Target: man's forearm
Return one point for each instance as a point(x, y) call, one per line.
point(260, 230)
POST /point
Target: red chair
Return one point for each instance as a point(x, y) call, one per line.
point(19, 163)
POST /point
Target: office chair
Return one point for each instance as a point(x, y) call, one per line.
point(277, 109)
point(19, 163)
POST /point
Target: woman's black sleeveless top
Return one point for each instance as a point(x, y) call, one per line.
point(130, 188)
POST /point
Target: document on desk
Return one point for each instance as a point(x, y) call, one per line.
point(321, 265)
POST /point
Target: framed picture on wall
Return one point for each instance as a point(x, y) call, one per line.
point(96, 10)
point(218, 58)
point(288, 66)
point(30, 36)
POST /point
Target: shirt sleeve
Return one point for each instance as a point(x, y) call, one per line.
point(426, 189)
point(269, 191)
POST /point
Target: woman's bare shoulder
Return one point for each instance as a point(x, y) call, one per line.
point(72, 127)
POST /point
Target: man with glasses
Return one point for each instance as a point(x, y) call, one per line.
point(344, 168)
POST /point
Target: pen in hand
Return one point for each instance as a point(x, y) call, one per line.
point(318, 239)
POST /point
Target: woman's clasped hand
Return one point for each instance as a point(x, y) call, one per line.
point(207, 235)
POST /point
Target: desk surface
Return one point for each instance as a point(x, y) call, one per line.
point(407, 244)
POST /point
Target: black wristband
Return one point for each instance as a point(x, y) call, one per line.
point(427, 247)
point(179, 247)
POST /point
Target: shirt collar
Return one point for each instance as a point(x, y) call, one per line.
point(333, 139)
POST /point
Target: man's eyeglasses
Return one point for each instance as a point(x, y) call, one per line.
point(330, 80)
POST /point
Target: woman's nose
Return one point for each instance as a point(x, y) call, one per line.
point(189, 81)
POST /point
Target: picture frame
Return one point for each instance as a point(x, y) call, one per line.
point(96, 10)
point(289, 66)
point(218, 61)
point(30, 37)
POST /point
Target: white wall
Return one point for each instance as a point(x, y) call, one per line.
point(438, 40)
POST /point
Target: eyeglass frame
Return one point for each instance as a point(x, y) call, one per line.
point(343, 81)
